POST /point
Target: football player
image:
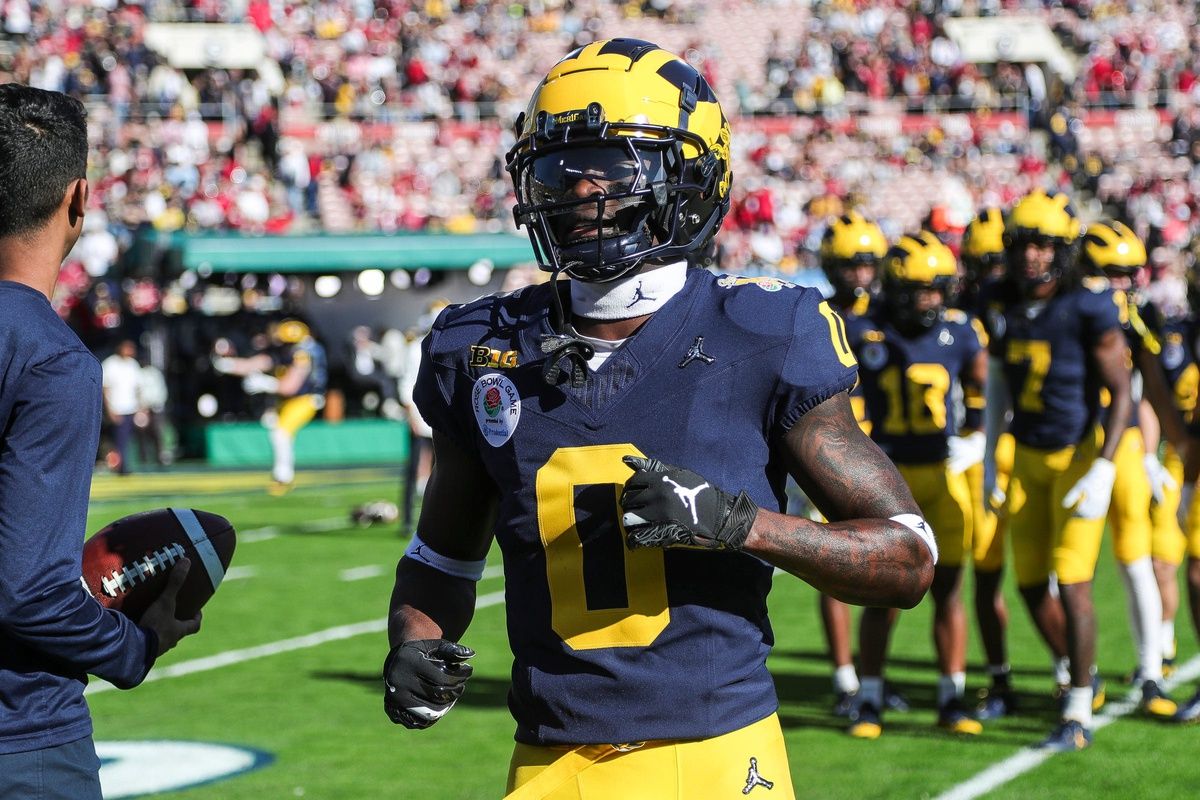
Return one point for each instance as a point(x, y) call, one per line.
point(983, 262)
point(1114, 252)
point(1189, 503)
point(851, 248)
point(914, 357)
point(1183, 376)
point(1061, 341)
point(636, 589)
point(294, 370)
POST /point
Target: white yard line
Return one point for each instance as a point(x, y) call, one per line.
point(1028, 759)
point(361, 573)
point(240, 573)
point(272, 531)
point(231, 657)
point(257, 535)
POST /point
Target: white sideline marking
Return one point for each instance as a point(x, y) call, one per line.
point(231, 657)
point(257, 535)
point(361, 573)
point(1028, 759)
point(240, 573)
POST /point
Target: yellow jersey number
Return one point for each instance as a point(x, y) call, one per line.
point(1037, 354)
point(916, 399)
point(641, 613)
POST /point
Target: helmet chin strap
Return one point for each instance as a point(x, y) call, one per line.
point(560, 345)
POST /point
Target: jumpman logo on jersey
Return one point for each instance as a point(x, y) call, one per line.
point(753, 779)
point(638, 296)
point(687, 496)
point(696, 353)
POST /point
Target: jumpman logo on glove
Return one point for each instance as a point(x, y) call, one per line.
point(687, 496)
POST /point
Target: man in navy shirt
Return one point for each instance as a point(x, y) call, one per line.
point(52, 632)
point(636, 590)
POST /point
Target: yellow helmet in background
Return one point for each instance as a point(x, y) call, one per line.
point(983, 241)
point(289, 331)
point(1111, 248)
point(1043, 216)
point(1039, 218)
point(918, 261)
point(852, 239)
point(622, 156)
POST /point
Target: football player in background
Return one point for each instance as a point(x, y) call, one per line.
point(1189, 503)
point(851, 249)
point(636, 589)
point(914, 357)
point(52, 634)
point(1168, 295)
point(1061, 342)
point(1112, 251)
point(296, 371)
point(983, 263)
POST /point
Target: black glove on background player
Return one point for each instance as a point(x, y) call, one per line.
point(665, 506)
point(423, 678)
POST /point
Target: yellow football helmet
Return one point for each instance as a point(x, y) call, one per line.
point(1111, 248)
point(1040, 218)
point(621, 157)
point(983, 243)
point(918, 261)
point(850, 240)
point(289, 331)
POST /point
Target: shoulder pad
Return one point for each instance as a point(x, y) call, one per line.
point(955, 315)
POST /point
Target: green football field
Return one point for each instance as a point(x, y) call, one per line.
point(286, 674)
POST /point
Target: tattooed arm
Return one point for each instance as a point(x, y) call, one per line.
point(861, 556)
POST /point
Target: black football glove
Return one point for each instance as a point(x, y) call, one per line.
point(665, 506)
point(423, 678)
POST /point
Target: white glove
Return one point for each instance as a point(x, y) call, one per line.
point(224, 365)
point(965, 451)
point(996, 500)
point(1093, 491)
point(259, 383)
point(1160, 480)
point(1185, 504)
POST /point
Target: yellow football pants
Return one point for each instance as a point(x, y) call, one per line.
point(1129, 511)
point(1047, 537)
point(749, 761)
point(1167, 540)
point(296, 412)
point(988, 529)
point(945, 501)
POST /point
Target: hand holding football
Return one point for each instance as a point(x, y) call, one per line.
point(125, 565)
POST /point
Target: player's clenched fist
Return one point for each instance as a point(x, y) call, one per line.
point(423, 679)
point(664, 506)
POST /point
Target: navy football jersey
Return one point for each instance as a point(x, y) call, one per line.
point(910, 383)
point(853, 315)
point(615, 645)
point(1178, 359)
point(1046, 349)
point(312, 353)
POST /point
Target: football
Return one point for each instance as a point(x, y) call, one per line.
point(125, 565)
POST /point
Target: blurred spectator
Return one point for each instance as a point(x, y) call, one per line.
point(122, 373)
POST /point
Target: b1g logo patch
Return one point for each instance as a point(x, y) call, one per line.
point(766, 284)
point(497, 408)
